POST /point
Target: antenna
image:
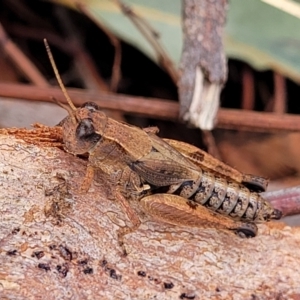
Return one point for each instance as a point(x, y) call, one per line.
point(54, 67)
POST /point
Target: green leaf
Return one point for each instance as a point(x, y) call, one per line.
point(257, 33)
point(163, 15)
point(264, 36)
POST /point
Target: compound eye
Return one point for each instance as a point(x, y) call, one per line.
point(91, 106)
point(85, 129)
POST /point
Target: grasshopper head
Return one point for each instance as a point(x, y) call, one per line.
point(83, 128)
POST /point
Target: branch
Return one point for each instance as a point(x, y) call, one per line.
point(20, 60)
point(154, 107)
point(203, 64)
point(152, 37)
point(116, 69)
point(54, 242)
point(287, 200)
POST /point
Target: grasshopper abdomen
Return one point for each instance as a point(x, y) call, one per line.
point(226, 197)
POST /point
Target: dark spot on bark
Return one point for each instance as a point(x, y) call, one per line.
point(82, 262)
point(52, 247)
point(16, 230)
point(63, 269)
point(103, 263)
point(38, 254)
point(65, 252)
point(114, 275)
point(168, 285)
point(187, 296)
point(141, 273)
point(11, 252)
point(88, 270)
point(45, 267)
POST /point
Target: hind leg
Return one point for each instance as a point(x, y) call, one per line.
point(176, 210)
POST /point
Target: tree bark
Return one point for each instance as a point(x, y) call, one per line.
point(57, 244)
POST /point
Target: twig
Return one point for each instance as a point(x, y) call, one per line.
point(21, 61)
point(37, 34)
point(248, 89)
point(25, 13)
point(257, 121)
point(287, 200)
point(83, 61)
point(163, 109)
point(116, 69)
point(60, 43)
point(154, 107)
point(279, 93)
point(152, 37)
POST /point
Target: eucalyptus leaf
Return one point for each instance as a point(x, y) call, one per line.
point(256, 32)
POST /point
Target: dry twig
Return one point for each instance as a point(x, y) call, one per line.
point(116, 69)
point(152, 37)
point(287, 200)
point(21, 61)
point(156, 108)
point(84, 63)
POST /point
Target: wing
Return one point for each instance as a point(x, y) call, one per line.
point(205, 160)
point(159, 170)
point(171, 153)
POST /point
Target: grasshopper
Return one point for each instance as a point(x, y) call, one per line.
point(174, 182)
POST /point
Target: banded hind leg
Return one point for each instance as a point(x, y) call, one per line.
point(176, 210)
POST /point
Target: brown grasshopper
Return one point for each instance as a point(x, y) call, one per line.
point(173, 181)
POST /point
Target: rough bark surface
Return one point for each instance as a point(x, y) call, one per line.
point(57, 244)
